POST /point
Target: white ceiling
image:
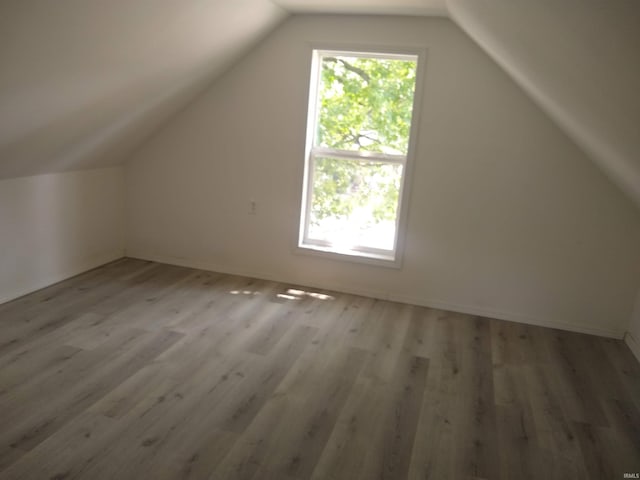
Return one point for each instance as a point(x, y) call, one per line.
point(387, 7)
point(84, 82)
point(580, 61)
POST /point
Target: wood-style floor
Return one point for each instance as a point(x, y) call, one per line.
point(139, 370)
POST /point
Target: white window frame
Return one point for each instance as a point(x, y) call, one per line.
point(361, 254)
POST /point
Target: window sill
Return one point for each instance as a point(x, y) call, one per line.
point(390, 260)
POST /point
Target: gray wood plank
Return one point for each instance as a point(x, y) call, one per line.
point(141, 370)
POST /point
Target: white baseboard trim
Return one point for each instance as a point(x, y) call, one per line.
point(516, 317)
point(633, 345)
point(424, 302)
point(83, 266)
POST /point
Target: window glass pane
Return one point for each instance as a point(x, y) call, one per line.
point(354, 203)
point(365, 104)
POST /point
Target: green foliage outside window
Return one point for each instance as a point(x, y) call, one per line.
point(365, 105)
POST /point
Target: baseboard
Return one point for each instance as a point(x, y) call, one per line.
point(515, 317)
point(84, 265)
point(633, 345)
point(424, 302)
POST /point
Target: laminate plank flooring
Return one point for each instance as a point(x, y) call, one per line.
point(138, 370)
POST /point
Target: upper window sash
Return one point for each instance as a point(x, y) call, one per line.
point(376, 145)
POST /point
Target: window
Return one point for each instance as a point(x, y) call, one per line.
point(360, 119)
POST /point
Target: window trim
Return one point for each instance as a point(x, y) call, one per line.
point(367, 255)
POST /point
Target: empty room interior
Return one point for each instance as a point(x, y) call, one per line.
point(319, 239)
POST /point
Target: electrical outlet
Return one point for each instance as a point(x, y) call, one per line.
point(252, 207)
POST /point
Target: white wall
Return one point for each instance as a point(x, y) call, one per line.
point(507, 218)
point(57, 225)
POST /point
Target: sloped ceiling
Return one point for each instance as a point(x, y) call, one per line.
point(83, 82)
point(580, 61)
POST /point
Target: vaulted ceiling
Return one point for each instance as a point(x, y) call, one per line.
point(84, 82)
point(580, 61)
